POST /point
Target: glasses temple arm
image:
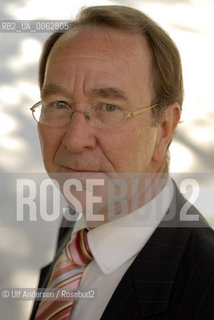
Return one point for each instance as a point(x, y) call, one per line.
point(131, 114)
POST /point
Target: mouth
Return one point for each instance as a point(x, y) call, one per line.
point(81, 175)
point(69, 169)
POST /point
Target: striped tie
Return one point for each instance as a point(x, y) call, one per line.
point(66, 274)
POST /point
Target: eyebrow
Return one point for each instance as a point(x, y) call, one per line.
point(110, 93)
point(105, 92)
point(51, 89)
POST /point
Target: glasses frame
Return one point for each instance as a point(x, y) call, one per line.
point(127, 113)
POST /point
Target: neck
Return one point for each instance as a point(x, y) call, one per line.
point(129, 194)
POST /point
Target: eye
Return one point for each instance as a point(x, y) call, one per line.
point(59, 105)
point(109, 107)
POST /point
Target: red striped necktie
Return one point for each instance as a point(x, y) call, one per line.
point(66, 274)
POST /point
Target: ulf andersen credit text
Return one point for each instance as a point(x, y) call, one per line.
point(47, 294)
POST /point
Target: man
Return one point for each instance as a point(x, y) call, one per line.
point(111, 90)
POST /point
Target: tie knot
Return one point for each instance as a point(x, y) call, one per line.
point(78, 249)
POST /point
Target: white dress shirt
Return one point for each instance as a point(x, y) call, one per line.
point(114, 246)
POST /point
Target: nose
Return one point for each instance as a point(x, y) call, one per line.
point(79, 134)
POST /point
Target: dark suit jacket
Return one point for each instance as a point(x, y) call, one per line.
point(171, 278)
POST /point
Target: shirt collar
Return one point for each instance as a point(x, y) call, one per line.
point(117, 241)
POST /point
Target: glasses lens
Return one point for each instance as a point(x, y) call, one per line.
point(53, 114)
point(106, 116)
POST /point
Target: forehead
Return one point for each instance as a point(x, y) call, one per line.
point(101, 53)
point(104, 41)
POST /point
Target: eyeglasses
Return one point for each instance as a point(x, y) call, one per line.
point(101, 115)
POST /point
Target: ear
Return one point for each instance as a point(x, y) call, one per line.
point(165, 130)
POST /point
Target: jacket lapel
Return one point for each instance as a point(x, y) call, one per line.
point(155, 269)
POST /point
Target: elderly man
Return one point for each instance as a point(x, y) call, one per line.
point(111, 96)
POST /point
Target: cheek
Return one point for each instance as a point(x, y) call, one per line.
point(139, 148)
point(50, 139)
point(128, 149)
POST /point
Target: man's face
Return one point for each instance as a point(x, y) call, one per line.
point(79, 66)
